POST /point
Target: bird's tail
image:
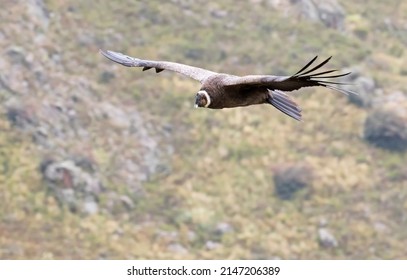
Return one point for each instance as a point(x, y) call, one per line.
point(284, 103)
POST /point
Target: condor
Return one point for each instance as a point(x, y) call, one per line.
point(220, 90)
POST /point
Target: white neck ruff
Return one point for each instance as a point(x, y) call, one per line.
point(208, 98)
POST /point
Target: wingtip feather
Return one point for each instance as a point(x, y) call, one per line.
point(118, 57)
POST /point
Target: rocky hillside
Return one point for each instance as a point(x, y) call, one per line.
point(102, 161)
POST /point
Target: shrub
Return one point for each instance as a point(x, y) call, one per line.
point(291, 178)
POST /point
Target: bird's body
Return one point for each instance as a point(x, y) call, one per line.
point(220, 90)
point(232, 96)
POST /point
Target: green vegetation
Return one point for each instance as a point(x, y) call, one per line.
point(220, 169)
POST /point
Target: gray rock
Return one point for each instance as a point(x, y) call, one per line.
point(38, 11)
point(21, 118)
point(127, 202)
point(326, 238)
point(211, 245)
point(177, 248)
point(17, 55)
point(386, 127)
point(67, 197)
point(330, 13)
point(71, 185)
point(223, 228)
point(396, 97)
point(365, 87)
point(12, 251)
point(216, 13)
point(116, 117)
point(167, 235)
point(323, 222)
point(90, 206)
point(192, 236)
point(381, 227)
point(308, 9)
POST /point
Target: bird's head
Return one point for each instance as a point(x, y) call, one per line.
point(202, 99)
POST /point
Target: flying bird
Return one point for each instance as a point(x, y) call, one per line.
point(220, 90)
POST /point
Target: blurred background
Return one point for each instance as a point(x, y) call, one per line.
point(100, 161)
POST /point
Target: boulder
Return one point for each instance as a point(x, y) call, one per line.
point(365, 87)
point(330, 13)
point(71, 185)
point(386, 127)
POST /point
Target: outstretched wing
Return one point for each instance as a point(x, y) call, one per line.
point(196, 73)
point(304, 78)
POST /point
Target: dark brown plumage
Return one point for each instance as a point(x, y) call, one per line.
point(221, 90)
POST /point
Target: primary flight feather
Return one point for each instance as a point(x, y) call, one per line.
point(221, 90)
